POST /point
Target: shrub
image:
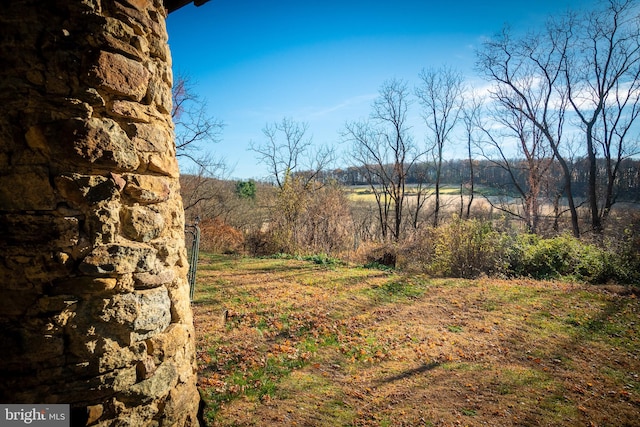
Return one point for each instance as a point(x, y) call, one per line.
point(472, 248)
point(561, 257)
point(309, 219)
point(468, 249)
point(218, 237)
point(459, 248)
point(625, 257)
point(383, 256)
point(261, 243)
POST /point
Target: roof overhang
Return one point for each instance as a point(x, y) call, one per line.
point(173, 5)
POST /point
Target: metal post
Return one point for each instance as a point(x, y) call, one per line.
point(194, 231)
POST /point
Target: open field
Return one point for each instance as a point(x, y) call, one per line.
point(315, 343)
point(363, 193)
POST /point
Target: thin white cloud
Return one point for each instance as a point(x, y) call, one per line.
point(347, 103)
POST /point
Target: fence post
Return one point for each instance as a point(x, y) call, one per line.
point(194, 231)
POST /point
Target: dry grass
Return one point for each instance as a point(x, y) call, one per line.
point(312, 344)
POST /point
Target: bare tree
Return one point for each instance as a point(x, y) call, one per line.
point(296, 166)
point(526, 172)
point(287, 149)
point(441, 95)
point(194, 128)
point(384, 149)
point(602, 76)
point(283, 148)
point(471, 112)
point(421, 191)
point(527, 76)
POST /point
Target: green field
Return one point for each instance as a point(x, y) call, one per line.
point(363, 193)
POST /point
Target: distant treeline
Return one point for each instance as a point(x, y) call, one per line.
point(498, 175)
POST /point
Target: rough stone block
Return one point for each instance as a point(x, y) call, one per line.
point(98, 141)
point(158, 385)
point(141, 17)
point(113, 356)
point(151, 138)
point(124, 47)
point(120, 75)
point(117, 259)
point(130, 110)
point(142, 223)
point(83, 285)
point(75, 188)
point(147, 189)
point(103, 222)
point(166, 164)
point(94, 412)
point(164, 345)
point(145, 368)
point(26, 189)
point(154, 313)
point(158, 49)
point(159, 94)
point(138, 4)
point(183, 401)
point(181, 303)
point(150, 280)
point(171, 253)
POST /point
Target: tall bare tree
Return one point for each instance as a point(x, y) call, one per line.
point(471, 113)
point(295, 165)
point(527, 76)
point(602, 77)
point(441, 94)
point(384, 149)
point(527, 171)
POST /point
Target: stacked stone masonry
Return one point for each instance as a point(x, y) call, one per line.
point(94, 302)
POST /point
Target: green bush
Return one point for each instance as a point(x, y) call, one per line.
point(460, 248)
point(561, 257)
point(472, 248)
point(468, 249)
point(625, 258)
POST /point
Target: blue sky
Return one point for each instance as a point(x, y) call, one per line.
point(322, 62)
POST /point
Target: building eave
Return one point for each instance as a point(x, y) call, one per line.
point(173, 5)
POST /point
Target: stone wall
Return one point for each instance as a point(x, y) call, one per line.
point(94, 303)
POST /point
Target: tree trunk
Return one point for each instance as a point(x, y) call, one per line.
point(436, 208)
point(596, 223)
point(471, 181)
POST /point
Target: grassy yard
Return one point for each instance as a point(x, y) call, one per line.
point(315, 343)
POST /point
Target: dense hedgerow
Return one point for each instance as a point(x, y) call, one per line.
point(566, 257)
point(473, 248)
point(557, 257)
point(463, 248)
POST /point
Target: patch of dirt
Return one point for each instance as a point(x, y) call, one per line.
point(286, 342)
